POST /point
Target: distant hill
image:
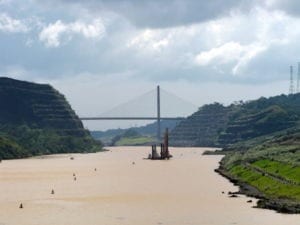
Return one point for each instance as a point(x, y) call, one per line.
point(218, 125)
point(36, 119)
point(261, 117)
point(261, 144)
point(203, 127)
point(148, 130)
point(132, 138)
point(267, 166)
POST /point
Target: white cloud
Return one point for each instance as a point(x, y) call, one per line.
point(11, 25)
point(236, 44)
point(53, 34)
point(94, 30)
point(221, 48)
point(246, 52)
point(149, 40)
point(226, 53)
point(231, 52)
point(250, 52)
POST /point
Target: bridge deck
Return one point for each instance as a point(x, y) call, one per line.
point(131, 118)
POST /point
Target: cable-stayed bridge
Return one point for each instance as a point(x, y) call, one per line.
point(156, 104)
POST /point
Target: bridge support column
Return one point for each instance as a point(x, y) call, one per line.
point(158, 113)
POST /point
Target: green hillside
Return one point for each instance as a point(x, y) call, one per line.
point(36, 119)
point(261, 141)
point(261, 117)
point(131, 137)
point(202, 128)
point(148, 131)
point(218, 125)
point(271, 165)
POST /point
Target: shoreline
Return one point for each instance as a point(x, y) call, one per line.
point(112, 187)
point(283, 206)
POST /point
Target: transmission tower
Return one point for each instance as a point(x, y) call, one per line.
point(298, 79)
point(291, 81)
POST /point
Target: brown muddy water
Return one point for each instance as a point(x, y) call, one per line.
point(119, 187)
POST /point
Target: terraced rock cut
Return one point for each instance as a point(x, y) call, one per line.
point(36, 119)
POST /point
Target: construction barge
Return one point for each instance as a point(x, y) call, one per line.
point(164, 149)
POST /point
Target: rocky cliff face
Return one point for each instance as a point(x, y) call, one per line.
point(41, 111)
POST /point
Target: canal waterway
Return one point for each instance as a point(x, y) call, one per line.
point(120, 187)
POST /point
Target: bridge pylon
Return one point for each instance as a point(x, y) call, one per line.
point(158, 135)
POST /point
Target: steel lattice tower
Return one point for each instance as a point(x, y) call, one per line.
point(291, 81)
point(298, 79)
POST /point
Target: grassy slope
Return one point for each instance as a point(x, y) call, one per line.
point(261, 141)
point(289, 172)
point(272, 166)
point(129, 141)
point(106, 137)
point(272, 188)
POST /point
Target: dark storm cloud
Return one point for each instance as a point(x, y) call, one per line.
point(226, 43)
point(291, 7)
point(167, 13)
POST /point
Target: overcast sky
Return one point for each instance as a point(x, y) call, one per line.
point(102, 53)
